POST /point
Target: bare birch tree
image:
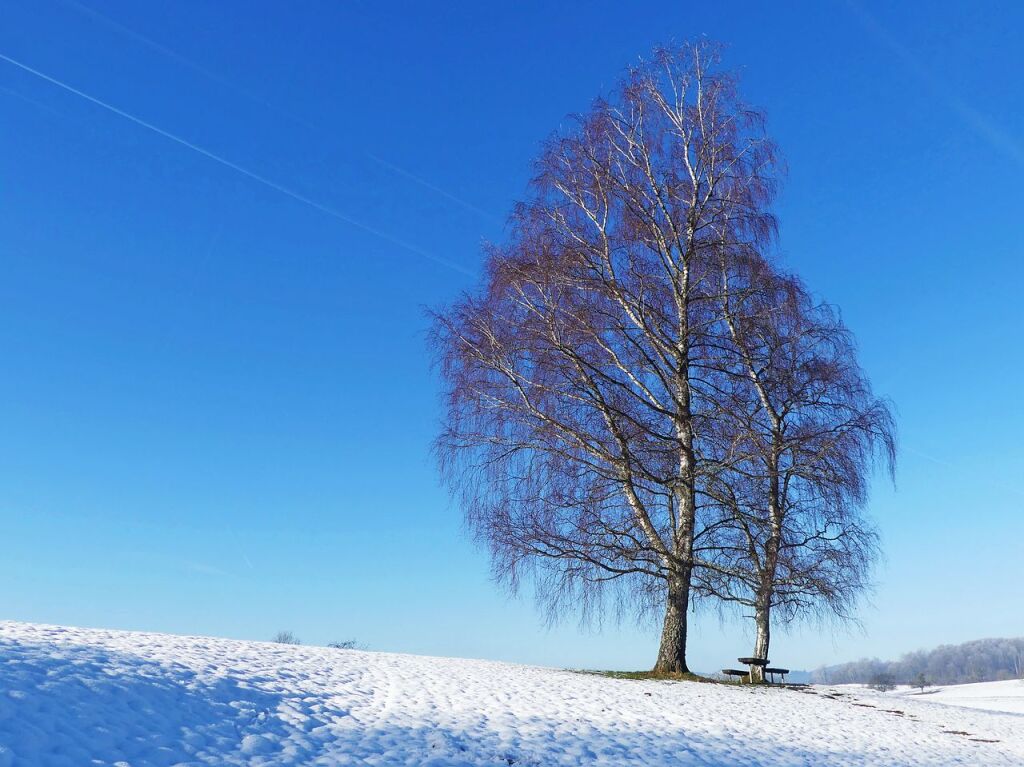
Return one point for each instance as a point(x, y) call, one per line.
point(801, 434)
point(581, 378)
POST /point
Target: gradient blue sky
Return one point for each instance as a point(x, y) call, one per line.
point(215, 396)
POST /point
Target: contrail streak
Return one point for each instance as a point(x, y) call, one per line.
point(186, 62)
point(175, 56)
point(438, 190)
point(946, 464)
point(33, 102)
point(983, 125)
point(334, 213)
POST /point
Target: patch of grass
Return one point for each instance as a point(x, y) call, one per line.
point(647, 675)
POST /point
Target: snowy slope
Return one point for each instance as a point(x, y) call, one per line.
point(74, 697)
point(1005, 696)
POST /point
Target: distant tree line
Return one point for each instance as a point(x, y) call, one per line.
point(646, 411)
point(982, 660)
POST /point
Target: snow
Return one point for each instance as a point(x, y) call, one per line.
point(71, 697)
point(993, 696)
point(1005, 696)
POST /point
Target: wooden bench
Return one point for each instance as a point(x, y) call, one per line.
point(738, 673)
point(780, 671)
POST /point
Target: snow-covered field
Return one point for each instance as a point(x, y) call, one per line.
point(77, 697)
point(992, 696)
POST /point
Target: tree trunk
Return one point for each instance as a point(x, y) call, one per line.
point(672, 653)
point(763, 602)
point(762, 619)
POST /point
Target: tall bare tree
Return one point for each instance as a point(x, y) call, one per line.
point(581, 378)
point(801, 432)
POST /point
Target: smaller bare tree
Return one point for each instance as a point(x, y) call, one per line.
point(286, 637)
point(799, 435)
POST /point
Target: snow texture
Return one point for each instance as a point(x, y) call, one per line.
point(79, 697)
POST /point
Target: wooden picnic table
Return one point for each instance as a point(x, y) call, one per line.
point(753, 663)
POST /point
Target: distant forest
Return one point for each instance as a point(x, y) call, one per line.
point(983, 660)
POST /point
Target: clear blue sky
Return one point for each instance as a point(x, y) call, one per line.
point(215, 396)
